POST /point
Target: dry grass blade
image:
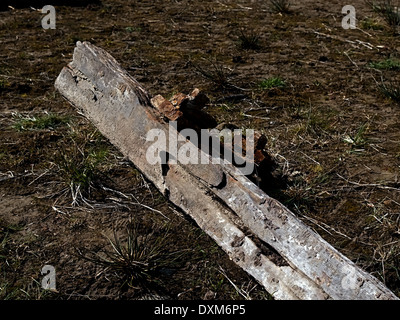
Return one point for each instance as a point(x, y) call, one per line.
point(245, 294)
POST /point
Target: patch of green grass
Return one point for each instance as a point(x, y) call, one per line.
point(133, 29)
point(34, 291)
point(371, 24)
point(79, 163)
point(171, 94)
point(7, 292)
point(31, 291)
point(280, 6)
point(298, 194)
point(317, 83)
point(388, 64)
point(358, 140)
point(226, 106)
point(45, 121)
point(79, 168)
point(273, 82)
point(315, 121)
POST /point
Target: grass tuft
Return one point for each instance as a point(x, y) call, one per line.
point(274, 82)
point(358, 141)
point(388, 11)
point(46, 121)
point(249, 40)
point(390, 90)
point(280, 6)
point(79, 165)
point(371, 24)
point(216, 73)
point(388, 64)
point(137, 259)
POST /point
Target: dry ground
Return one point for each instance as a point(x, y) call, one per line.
point(332, 132)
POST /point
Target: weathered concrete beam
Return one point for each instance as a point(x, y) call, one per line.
point(246, 223)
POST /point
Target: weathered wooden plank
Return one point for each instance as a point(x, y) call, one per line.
point(121, 109)
point(134, 120)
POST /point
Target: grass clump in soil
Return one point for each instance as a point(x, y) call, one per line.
point(79, 165)
point(358, 140)
point(216, 73)
point(280, 6)
point(388, 11)
point(138, 259)
point(249, 40)
point(273, 82)
point(371, 24)
point(46, 121)
point(388, 64)
point(390, 90)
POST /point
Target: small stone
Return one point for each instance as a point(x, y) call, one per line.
point(210, 295)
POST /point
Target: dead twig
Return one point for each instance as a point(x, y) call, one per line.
point(130, 197)
point(366, 185)
point(240, 291)
point(363, 43)
point(347, 55)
